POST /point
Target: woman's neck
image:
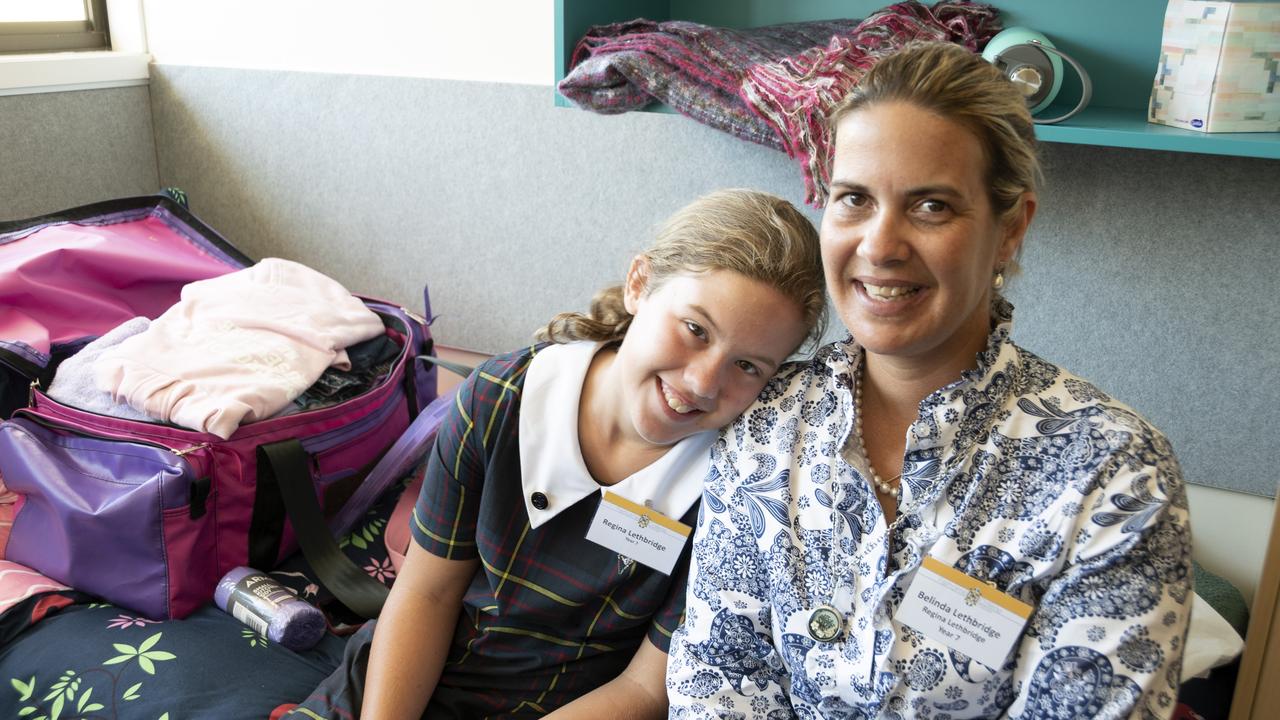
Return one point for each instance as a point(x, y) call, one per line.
point(899, 383)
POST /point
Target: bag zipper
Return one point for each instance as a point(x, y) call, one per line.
point(201, 482)
point(30, 414)
point(346, 431)
point(328, 441)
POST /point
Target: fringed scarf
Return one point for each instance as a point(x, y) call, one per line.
point(771, 85)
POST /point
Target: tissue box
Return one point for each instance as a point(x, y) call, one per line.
point(1218, 67)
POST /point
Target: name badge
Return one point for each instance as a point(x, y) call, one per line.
point(638, 532)
point(963, 613)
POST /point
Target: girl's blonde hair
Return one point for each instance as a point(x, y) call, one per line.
point(754, 234)
point(956, 84)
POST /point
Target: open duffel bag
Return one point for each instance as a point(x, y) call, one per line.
point(150, 515)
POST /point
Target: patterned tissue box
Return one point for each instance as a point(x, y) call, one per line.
point(1218, 67)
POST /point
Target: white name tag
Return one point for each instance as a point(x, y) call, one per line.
point(963, 613)
point(638, 532)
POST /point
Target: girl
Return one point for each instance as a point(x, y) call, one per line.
point(504, 607)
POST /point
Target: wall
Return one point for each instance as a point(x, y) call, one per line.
point(1150, 273)
point(487, 40)
point(70, 148)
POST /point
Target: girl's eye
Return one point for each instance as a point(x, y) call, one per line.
point(748, 368)
point(695, 329)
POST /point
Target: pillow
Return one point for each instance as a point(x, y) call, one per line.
point(1211, 641)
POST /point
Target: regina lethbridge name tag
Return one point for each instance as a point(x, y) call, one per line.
point(638, 532)
point(963, 613)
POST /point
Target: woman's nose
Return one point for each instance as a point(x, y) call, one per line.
point(883, 241)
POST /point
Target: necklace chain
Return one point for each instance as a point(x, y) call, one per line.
point(884, 487)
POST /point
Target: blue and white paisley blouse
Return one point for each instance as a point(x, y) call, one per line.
point(1019, 474)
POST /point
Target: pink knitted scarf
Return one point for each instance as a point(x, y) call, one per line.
point(771, 85)
point(795, 94)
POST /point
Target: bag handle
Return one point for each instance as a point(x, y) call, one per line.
point(285, 465)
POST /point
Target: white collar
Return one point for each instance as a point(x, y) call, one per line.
point(551, 458)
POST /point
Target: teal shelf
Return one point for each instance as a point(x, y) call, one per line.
point(1118, 42)
point(1128, 128)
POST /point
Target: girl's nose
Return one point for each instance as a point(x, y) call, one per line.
point(703, 378)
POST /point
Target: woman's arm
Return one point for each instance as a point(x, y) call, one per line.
point(638, 693)
point(1106, 639)
point(412, 637)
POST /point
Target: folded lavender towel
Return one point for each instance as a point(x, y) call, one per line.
point(73, 383)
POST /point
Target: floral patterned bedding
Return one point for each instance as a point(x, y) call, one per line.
point(66, 656)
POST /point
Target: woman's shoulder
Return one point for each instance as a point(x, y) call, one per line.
point(1044, 388)
point(1057, 406)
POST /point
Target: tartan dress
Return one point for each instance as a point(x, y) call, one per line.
point(549, 615)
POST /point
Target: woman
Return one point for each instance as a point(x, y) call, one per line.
point(510, 603)
point(926, 493)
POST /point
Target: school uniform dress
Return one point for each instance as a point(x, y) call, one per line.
point(549, 615)
point(1018, 474)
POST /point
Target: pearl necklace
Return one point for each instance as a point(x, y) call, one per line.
point(884, 487)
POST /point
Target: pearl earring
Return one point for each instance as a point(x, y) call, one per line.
point(997, 283)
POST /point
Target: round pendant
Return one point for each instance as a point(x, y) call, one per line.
point(825, 624)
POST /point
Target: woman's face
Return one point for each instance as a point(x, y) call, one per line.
point(909, 239)
point(700, 349)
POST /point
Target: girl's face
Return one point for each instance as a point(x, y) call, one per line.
point(700, 349)
point(909, 238)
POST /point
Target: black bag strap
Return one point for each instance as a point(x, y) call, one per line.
point(286, 465)
point(284, 483)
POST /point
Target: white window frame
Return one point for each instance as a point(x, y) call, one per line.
point(58, 36)
point(125, 64)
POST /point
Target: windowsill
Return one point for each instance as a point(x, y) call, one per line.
point(58, 72)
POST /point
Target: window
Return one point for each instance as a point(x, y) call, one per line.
point(32, 26)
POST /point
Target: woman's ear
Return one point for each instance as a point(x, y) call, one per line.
point(1015, 228)
point(637, 283)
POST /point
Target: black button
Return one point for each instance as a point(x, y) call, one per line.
point(539, 500)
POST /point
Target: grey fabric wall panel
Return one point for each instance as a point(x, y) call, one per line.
point(71, 148)
point(1152, 274)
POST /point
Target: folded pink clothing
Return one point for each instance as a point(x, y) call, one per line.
point(237, 348)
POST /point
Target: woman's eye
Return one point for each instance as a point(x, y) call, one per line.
point(853, 200)
point(933, 207)
point(748, 368)
point(695, 329)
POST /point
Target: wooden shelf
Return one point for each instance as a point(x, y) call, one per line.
point(1118, 42)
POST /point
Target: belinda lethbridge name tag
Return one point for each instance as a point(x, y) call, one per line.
point(963, 613)
point(638, 532)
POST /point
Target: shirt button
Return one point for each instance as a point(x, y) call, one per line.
point(539, 501)
point(825, 624)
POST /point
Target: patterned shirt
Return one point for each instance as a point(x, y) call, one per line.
point(549, 615)
point(1019, 474)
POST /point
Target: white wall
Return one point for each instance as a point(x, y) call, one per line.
point(1229, 532)
point(509, 41)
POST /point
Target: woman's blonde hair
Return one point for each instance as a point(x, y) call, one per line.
point(956, 84)
point(754, 234)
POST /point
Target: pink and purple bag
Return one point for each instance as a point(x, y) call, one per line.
point(145, 514)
